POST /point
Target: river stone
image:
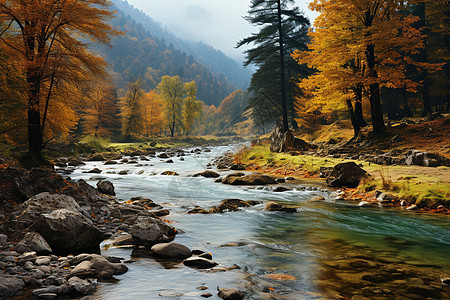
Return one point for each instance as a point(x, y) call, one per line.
point(10, 286)
point(170, 173)
point(412, 207)
point(43, 260)
point(123, 240)
point(37, 243)
point(94, 265)
point(163, 155)
point(46, 203)
point(149, 231)
point(251, 179)
point(316, 198)
point(68, 231)
point(347, 174)
point(171, 250)
point(3, 239)
point(207, 174)
point(94, 171)
point(231, 205)
point(82, 286)
point(273, 206)
point(21, 247)
point(106, 187)
point(281, 189)
point(230, 294)
point(199, 263)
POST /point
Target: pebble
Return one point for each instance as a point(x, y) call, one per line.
point(3, 239)
point(9, 258)
point(38, 274)
point(206, 295)
point(43, 260)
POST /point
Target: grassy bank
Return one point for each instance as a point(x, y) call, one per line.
point(426, 187)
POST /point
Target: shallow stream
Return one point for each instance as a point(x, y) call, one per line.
point(333, 250)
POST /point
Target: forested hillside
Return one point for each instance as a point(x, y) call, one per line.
point(213, 59)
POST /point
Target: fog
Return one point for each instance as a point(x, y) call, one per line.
point(217, 23)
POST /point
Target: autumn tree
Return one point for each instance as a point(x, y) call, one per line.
point(192, 108)
point(359, 46)
point(43, 33)
point(172, 91)
point(101, 110)
point(153, 113)
point(132, 110)
point(282, 31)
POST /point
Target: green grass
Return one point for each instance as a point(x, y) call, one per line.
point(99, 144)
point(426, 186)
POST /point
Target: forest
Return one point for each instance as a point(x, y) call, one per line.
point(316, 168)
point(109, 77)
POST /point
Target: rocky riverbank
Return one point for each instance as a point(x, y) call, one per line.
point(51, 229)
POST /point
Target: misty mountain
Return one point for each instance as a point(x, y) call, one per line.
point(213, 59)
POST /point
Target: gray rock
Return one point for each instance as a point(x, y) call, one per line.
point(9, 258)
point(106, 187)
point(84, 287)
point(48, 296)
point(199, 262)
point(37, 243)
point(21, 247)
point(123, 240)
point(171, 250)
point(285, 141)
point(52, 289)
point(68, 231)
point(38, 274)
point(149, 231)
point(365, 204)
point(3, 239)
point(97, 266)
point(10, 286)
point(231, 294)
point(43, 260)
point(346, 175)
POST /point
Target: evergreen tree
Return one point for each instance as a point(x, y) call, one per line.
point(283, 30)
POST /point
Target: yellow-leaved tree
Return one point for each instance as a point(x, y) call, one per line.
point(153, 113)
point(132, 110)
point(357, 47)
point(192, 108)
point(50, 41)
point(172, 91)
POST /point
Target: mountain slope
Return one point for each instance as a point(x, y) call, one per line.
point(213, 59)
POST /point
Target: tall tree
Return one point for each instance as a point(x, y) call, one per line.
point(132, 110)
point(172, 91)
point(101, 112)
point(282, 31)
point(44, 31)
point(192, 107)
point(361, 45)
point(153, 113)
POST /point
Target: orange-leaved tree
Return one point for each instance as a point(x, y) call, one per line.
point(101, 110)
point(49, 36)
point(153, 113)
point(358, 46)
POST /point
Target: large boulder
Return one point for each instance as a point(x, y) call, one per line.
point(347, 174)
point(68, 231)
point(46, 203)
point(251, 179)
point(106, 187)
point(231, 205)
point(285, 141)
point(149, 231)
point(171, 250)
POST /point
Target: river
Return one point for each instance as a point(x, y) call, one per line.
point(333, 250)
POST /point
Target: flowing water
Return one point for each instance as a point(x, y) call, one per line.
point(334, 250)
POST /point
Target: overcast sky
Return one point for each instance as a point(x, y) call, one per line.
point(218, 23)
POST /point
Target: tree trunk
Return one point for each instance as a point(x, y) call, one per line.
point(35, 139)
point(355, 124)
point(358, 107)
point(374, 92)
point(282, 70)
